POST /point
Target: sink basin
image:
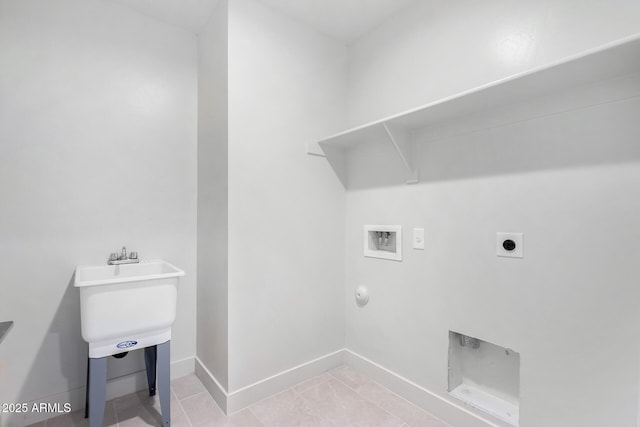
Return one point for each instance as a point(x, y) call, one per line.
point(127, 306)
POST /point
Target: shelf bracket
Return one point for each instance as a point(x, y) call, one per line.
point(314, 149)
point(402, 140)
point(336, 157)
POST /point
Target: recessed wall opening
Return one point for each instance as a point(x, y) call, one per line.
point(383, 241)
point(485, 376)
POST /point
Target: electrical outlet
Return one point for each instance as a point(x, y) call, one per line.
point(510, 245)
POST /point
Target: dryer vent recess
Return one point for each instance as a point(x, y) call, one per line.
point(383, 241)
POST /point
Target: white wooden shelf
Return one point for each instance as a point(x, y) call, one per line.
point(5, 327)
point(597, 65)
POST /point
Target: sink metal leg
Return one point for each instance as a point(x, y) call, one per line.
point(97, 390)
point(164, 374)
point(150, 361)
point(157, 360)
point(86, 394)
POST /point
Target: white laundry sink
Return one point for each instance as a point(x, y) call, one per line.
point(128, 306)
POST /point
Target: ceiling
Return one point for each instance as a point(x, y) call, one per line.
point(189, 14)
point(345, 20)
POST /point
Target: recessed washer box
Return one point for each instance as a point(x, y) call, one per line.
point(383, 241)
point(485, 376)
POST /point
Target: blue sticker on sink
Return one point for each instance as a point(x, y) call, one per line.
point(126, 344)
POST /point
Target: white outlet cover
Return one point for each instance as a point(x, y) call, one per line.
point(418, 238)
point(517, 238)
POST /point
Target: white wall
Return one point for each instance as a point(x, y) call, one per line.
point(569, 181)
point(97, 150)
point(213, 194)
point(287, 85)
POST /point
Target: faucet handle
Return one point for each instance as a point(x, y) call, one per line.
point(133, 255)
point(113, 256)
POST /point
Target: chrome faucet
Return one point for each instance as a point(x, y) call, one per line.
point(115, 259)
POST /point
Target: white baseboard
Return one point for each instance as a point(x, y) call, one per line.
point(453, 413)
point(215, 389)
point(262, 389)
point(183, 367)
point(116, 387)
point(246, 396)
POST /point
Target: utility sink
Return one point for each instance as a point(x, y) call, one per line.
point(128, 306)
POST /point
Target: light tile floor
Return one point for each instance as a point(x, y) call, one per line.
point(340, 397)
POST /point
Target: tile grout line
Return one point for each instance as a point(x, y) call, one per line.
point(299, 394)
point(308, 388)
point(194, 395)
point(216, 403)
point(270, 396)
point(401, 398)
point(313, 411)
point(416, 406)
point(369, 400)
point(398, 396)
point(292, 388)
point(255, 416)
point(204, 390)
point(115, 412)
point(184, 412)
point(402, 422)
point(329, 375)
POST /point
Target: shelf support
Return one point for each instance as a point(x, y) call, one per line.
point(314, 149)
point(402, 140)
point(336, 157)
